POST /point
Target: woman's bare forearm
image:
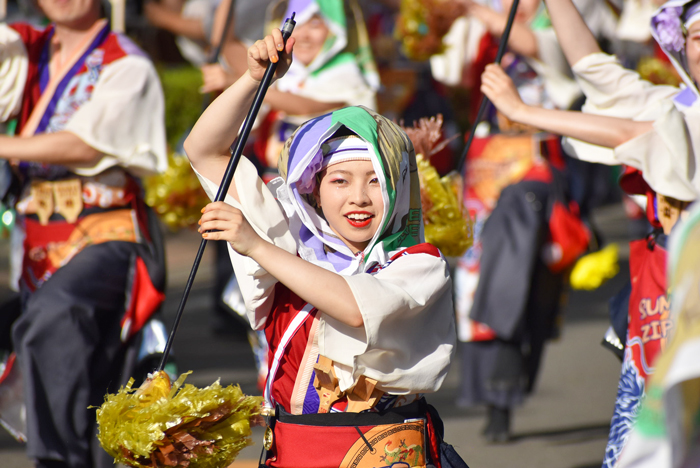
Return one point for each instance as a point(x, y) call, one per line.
point(51, 148)
point(575, 39)
point(293, 104)
point(595, 129)
point(326, 290)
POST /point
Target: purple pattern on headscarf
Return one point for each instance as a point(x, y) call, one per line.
point(668, 28)
point(685, 98)
point(305, 139)
point(307, 136)
point(296, 6)
point(337, 259)
point(307, 181)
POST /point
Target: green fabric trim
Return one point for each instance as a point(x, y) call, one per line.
point(333, 10)
point(338, 59)
point(541, 20)
point(651, 420)
point(11, 127)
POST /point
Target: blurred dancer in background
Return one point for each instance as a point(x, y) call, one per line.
point(511, 189)
point(90, 119)
point(652, 129)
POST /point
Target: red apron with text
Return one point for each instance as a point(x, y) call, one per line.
point(649, 321)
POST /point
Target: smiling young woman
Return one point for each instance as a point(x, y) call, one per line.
point(334, 269)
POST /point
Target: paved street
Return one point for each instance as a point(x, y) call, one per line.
point(563, 424)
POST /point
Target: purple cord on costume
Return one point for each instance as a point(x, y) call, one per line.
point(669, 30)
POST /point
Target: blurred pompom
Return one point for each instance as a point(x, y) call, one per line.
point(422, 24)
point(158, 426)
point(447, 225)
point(176, 195)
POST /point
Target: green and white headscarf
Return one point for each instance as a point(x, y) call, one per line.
point(394, 162)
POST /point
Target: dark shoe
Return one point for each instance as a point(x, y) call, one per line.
point(497, 429)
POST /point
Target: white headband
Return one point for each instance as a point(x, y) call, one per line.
point(692, 15)
point(343, 149)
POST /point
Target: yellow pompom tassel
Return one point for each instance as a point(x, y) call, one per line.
point(446, 226)
point(157, 426)
point(594, 269)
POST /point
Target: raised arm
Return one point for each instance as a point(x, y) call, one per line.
point(299, 105)
point(521, 40)
point(595, 129)
point(575, 39)
point(173, 21)
point(207, 145)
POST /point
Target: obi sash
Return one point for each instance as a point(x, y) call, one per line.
point(60, 218)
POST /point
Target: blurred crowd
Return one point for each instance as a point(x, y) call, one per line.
point(586, 111)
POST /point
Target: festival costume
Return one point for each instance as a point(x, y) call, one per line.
point(401, 285)
point(664, 161)
point(93, 270)
point(469, 43)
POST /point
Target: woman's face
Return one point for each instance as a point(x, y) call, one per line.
point(310, 38)
point(692, 51)
point(351, 200)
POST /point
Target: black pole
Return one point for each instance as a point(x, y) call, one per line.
point(236, 153)
point(484, 100)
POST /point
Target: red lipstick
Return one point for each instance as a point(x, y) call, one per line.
point(359, 219)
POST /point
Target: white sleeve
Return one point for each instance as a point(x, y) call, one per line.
point(668, 154)
point(614, 91)
point(13, 72)
point(461, 47)
point(267, 218)
point(124, 119)
point(409, 332)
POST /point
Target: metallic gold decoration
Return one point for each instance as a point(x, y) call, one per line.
point(658, 72)
point(422, 24)
point(447, 225)
point(268, 438)
point(157, 426)
point(176, 195)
